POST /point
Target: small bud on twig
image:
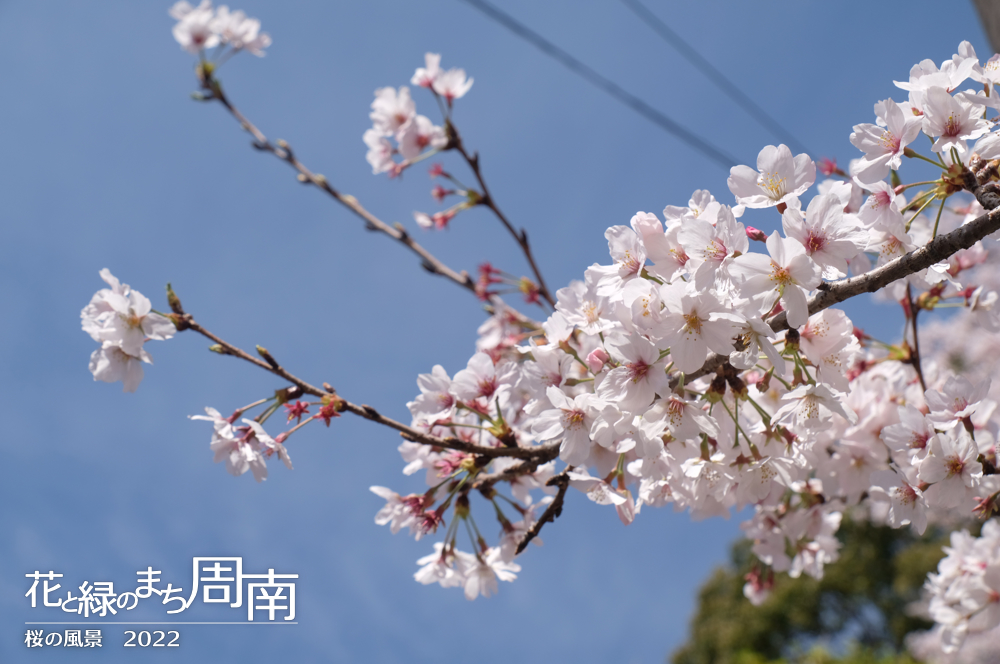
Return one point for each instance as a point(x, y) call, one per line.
point(267, 357)
point(174, 301)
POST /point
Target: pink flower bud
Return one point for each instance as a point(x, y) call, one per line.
point(441, 219)
point(440, 193)
point(827, 166)
point(596, 359)
point(756, 234)
point(436, 170)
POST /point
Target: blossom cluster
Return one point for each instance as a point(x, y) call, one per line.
point(965, 591)
point(243, 447)
point(122, 321)
point(689, 370)
point(394, 115)
point(204, 27)
point(800, 424)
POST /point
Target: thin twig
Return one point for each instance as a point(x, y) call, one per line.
point(283, 151)
point(551, 512)
point(524, 468)
point(521, 237)
point(915, 351)
point(541, 453)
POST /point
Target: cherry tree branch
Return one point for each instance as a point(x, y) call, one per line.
point(521, 237)
point(915, 361)
point(935, 251)
point(185, 321)
point(551, 512)
point(284, 152)
point(524, 468)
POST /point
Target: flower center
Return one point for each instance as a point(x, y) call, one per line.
point(889, 141)
point(878, 199)
point(905, 494)
point(637, 370)
point(814, 242)
point(952, 127)
point(630, 263)
point(132, 320)
point(487, 386)
point(954, 465)
point(772, 184)
point(780, 275)
point(715, 250)
point(572, 419)
point(692, 323)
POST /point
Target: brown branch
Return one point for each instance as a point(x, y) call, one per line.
point(524, 468)
point(915, 351)
point(938, 249)
point(554, 509)
point(283, 151)
point(542, 453)
point(521, 237)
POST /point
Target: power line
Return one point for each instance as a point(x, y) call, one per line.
point(639, 106)
point(714, 75)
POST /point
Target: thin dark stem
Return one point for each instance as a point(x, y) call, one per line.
point(521, 237)
point(915, 351)
point(543, 453)
point(284, 152)
point(551, 512)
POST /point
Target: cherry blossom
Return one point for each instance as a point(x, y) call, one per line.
point(452, 84)
point(195, 29)
point(778, 178)
point(425, 76)
point(952, 120)
point(883, 143)
point(782, 276)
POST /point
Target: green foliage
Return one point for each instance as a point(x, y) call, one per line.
point(857, 609)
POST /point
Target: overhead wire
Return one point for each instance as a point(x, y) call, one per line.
point(658, 118)
point(720, 80)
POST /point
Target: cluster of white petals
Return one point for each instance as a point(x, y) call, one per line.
point(800, 425)
point(204, 27)
point(394, 116)
point(243, 447)
point(122, 321)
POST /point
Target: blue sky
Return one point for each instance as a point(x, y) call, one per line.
point(106, 162)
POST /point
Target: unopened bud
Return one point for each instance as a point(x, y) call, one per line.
point(596, 360)
point(792, 340)
point(174, 301)
point(462, 506)
point(267, 357)
point(738, 387)
point(717, 390)
point(756, 234)
point(764, 384)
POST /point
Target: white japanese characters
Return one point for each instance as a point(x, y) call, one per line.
point(220, 580)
